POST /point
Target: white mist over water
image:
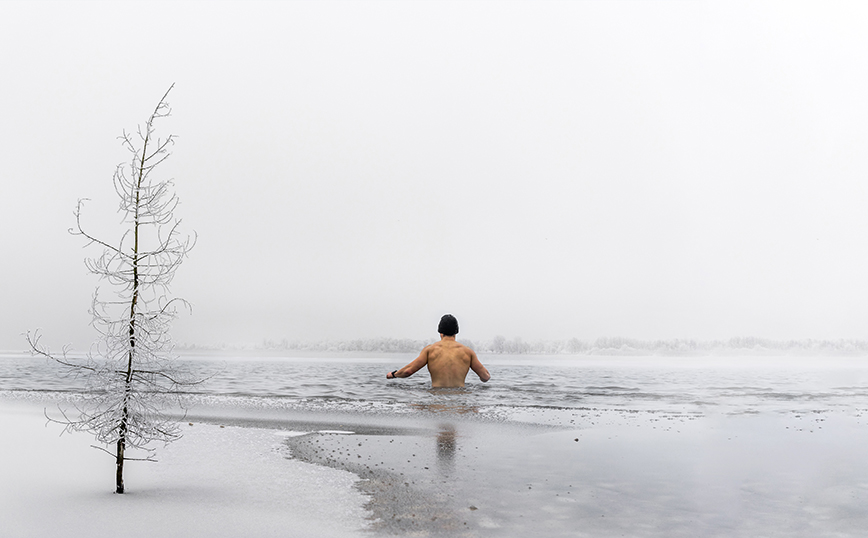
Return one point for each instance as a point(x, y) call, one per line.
point(544, 170)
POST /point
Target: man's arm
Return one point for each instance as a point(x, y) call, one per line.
point(478, 368)
point(411, 368)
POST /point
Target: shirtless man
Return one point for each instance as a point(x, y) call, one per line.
point(448, 361)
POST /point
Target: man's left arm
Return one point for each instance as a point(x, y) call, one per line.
point(478, 368)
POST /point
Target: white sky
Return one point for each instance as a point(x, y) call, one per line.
point(543, 170)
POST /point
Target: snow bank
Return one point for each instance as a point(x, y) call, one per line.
point(214, 482)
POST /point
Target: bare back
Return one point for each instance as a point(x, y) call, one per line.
point(448, 363)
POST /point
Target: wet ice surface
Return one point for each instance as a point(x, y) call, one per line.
point(629, 473)
point(575, 447)
point(598, 472)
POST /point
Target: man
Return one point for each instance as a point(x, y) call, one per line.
point(448, 361)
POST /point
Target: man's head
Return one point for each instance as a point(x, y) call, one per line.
point(448, 325)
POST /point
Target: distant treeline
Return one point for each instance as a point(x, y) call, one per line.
point(574, 346)
point(632, 346)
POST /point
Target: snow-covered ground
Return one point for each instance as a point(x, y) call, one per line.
point(214, 482)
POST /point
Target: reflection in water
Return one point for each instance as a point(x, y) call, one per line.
point(446, 443)
point(446, 440)
point(447, 405)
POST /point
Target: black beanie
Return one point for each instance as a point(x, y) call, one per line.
point(448, 325)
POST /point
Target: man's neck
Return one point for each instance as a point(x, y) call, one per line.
point(444, 337)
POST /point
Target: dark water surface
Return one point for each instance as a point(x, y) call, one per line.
point(734, 384)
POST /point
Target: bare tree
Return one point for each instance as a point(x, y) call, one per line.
point(130, 372)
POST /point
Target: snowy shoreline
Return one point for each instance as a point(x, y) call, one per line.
point(215, 481)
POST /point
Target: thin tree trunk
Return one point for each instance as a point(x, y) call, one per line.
point(122, 429)
point(119, 475)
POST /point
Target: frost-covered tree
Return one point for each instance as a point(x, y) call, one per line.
point(130, 373)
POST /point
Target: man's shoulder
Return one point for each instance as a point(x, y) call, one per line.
point(450, 347)
point(463, 347)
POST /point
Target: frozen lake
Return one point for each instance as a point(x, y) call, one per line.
point(564, 446)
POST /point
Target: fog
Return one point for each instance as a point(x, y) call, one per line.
point(542, 170)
